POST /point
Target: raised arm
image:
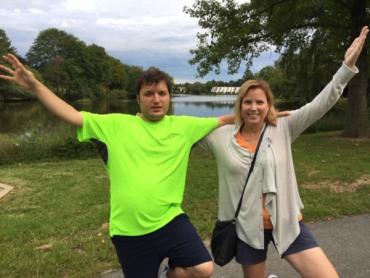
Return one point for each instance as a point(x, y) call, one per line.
point(26, 79)
point(323, 102)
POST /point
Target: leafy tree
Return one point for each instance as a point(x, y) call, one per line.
point(59, 57)
point(311, 35)
point(5, 44)
point(8, 90)
point(133, 73)
point(118, 77)
point(74, 69)
point(52, 43)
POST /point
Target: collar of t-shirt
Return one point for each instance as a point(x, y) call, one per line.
point(244, 144)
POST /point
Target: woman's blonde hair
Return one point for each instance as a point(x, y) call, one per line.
point(245, 88)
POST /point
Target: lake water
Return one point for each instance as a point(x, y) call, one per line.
point(21, 117)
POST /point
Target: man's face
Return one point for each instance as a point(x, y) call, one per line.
point(154, 100)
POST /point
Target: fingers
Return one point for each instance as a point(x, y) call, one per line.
point(364, 31)
point(283, 113)
point(6, 77)
point(362, 37)
point(8, 70)
point(359, 42)
point(13, 61)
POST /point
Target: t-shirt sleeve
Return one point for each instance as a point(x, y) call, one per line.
point(200, 127)
point(95, 126)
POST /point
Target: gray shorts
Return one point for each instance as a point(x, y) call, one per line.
point(248, 255)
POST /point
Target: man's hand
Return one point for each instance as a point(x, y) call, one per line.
point(18, 74)
point(283, 114)
point(25, 78)
point(226, 120)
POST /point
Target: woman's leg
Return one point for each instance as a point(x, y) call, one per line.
point(255, 270)
point(253, 260)
point(312, 263)
point(307, 257)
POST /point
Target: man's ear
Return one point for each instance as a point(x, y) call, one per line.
point(138, 99)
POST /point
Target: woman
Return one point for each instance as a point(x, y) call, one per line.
point(271, 203)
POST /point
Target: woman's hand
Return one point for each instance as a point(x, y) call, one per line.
point(18, 74)
point(353, 52)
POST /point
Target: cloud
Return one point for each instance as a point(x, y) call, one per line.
point(141, 32)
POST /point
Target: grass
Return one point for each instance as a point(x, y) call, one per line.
point(63, 204)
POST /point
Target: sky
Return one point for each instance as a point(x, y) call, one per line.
point(142, 32)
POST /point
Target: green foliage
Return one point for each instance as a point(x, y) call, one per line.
point(76, 70)
point(240, 32)
point(5, 45)
point(9, 91)
point(311, 36)
point(133, 73)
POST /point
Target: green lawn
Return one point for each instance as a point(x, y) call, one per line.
point(64, 204)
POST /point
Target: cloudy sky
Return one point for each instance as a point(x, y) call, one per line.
point(138, 32)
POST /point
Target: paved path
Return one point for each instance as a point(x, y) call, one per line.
point(345, 241)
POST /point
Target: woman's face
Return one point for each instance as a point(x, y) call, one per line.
point(254, 107)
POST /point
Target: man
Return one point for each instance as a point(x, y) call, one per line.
point(147, 161)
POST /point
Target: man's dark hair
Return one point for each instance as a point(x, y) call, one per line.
point(153, 76)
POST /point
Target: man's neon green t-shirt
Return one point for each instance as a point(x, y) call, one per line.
point(147, 164)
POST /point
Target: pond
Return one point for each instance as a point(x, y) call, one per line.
point(22, 117)
point(19, 117)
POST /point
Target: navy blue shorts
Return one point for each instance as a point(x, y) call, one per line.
point(140, 256)
point(248, 255)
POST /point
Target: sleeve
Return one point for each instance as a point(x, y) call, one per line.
point(95, 126)
point(200, 127)
point(305, 116)
point(213, 140)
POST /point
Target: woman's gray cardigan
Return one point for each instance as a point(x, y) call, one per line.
point(273, 173)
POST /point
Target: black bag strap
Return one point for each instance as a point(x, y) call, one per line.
point(250, 171)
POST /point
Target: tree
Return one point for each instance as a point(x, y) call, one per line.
point(5, 44)
point(7, 89)
point(133, 73)
point(52, 43)
point(317, 32)
point(59, 57)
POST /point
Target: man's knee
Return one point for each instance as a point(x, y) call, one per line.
point(204, 270)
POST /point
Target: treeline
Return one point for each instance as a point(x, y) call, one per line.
point(71, 68)
point(285, 80)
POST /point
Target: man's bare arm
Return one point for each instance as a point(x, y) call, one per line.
point(26, 79)
point(226, 120)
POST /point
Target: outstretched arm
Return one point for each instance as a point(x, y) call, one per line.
point(26, 79)
point(323, 102)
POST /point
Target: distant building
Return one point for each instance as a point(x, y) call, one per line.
point(225, 90)
point(180, 90)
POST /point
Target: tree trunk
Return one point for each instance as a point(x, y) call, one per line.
point(356, 122)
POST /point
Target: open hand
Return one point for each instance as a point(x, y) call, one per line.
point(18, 74)
point(353, 52)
